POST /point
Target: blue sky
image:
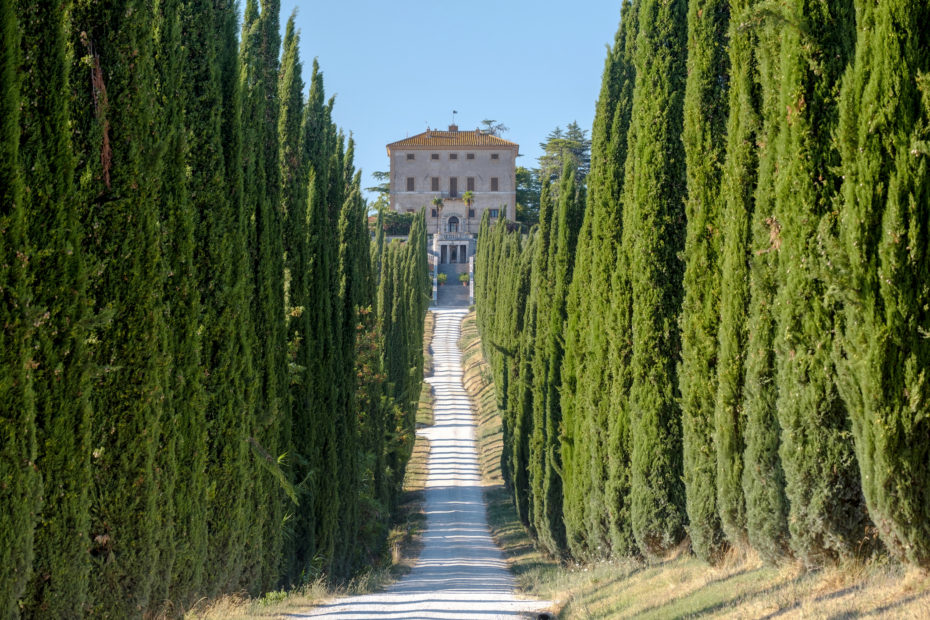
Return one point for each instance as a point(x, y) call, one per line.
point(398, 66)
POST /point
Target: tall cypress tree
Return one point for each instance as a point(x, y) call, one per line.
point(60, 568)
point(883, 258)
point(763, 477)
point(653, 235)
point(738, 185)
point(585, 370)
point(227, 345)
point(20, 485)
point(121, 180)
point(827, 515)
point(180, 464)
point(704, 139)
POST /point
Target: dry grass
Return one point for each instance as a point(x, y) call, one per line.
point(680, 586)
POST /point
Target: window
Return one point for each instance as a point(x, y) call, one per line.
point(435, 184)
point(410, 156)
point(495, 156)
point(470, 184)
point(471, 213)
point(470, 156)
point(433, 212)
point(495, 184)
point(409, 210)
point(495, 212)
point(453, 187)
point(453, 155)
point(409, 184)
point(434, 156)
point(453, 224)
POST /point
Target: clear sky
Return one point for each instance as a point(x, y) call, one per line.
point(399, 66)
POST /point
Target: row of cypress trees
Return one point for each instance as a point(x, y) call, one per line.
point(744, 346)
point(194, 389)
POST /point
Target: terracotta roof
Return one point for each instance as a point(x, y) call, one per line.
point(435, 138)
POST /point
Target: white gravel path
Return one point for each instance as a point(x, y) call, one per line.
point(460, 573)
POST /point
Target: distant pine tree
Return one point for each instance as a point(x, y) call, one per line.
point(882, 264)
point(705, 118)
point(653, 236)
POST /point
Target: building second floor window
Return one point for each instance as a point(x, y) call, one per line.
point(434, 186)
point(471, 213)
point(470, 184)
point(433, 212)
point(495, 212)
point(495, 184)
point(410, 156)
point(410, 184)
point(453, 187)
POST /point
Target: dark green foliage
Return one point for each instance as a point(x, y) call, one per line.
point(736, 209)
point(883, 258)
point(763, 477)
point(827, 516)
point(118, 164)
point(705, 118)
point(261, 200)
point(60, 568)
point(653, 236)
point(20, 484)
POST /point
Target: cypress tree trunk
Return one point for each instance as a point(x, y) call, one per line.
point(704, 139)
point(827, 516)
point(738, 187)
point(20, 484)
point(763, 477)
point(882, 259)
point(60, 567)
point(120, 170)
point(653, 235)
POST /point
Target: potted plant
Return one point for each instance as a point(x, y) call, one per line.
point(463, 278)
point(441, 278)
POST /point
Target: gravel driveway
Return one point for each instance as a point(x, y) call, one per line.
point(460, 573)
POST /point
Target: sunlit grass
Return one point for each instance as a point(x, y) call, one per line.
point(681, 586)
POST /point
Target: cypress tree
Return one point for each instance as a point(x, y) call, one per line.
point(653, 234)
point(293, 185)
point(883, 232)
point(121, 180)
point(763, 477)
point(183, 442)
point(704, 138)
point(58, 587)
point(210, 203)
point(570, 214)
point(20, 484)
point(261, 178)
point(738, 185)
point(227, 344)
point(827, 516)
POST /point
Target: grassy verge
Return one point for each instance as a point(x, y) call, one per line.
point(404, 538)
point(681, 586)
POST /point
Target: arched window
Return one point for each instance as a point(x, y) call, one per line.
point(453, 224)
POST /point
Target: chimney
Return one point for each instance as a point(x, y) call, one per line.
point(453, 127)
